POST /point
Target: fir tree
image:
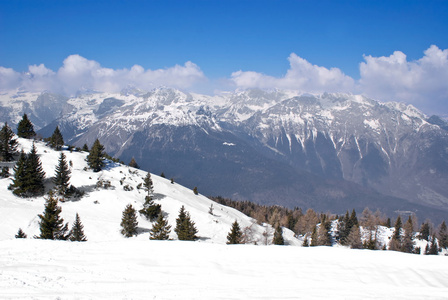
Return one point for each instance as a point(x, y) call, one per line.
point(85, 148)
point(278, 236)
point(195, 190)
point(35, 174)
point(185, 227)
point(432, 247)
point(407, 241)
point(395, 243)
point(51, 225)
point(235, 235)
point(443, 235)
point(424, 231)
point(62, 176)
point(77, 231)
point(25, 128)
point(8, 144)
point(20, 234)
point(147, 184)
point(160, 230)
point(129, 221)
point(95, 157)
point(323, 233)
point(19, 175)
point(150, 210)
point(56, 140)
point(134, 164)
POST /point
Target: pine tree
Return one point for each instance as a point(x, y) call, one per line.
point(51, 224)
point(147, 184)
point(35, 174)
point(129, 221)
point(56, 140)
point(95, 157)
point(62, 176)
point(77, 231)
point(395, 243)
point(160, 230)
point(25, 128)
point(8, 144)
point(424, 231)
point(323, 233)
point(85, 148)
point(278, 236)
point(235, 235)
point(185, 227)
point(19, 175)
point(195, 190)
point(432, 247)
point(20, 234)
point(150, 210)
point(443, 236)
point(134, 164)
point(407, 241)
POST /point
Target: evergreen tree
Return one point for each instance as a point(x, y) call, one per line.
point(35, 174)
point(278, 236)
point(195, 190)
point(424, 231)
point(19, 175)
point(323, 233)
point(235, 236)
point(134, 164)
point(20, 234)
point(62, 176)
point(151, 210)
point(185, 227)
point(129, 221)
point(395, 243)
point(85, 148)
point(305, 241)
point(25, 128)
point(160, 230)
point(51, 224)
point(95, 157)
point(443, 236)
point(147, 184)
point(354, 238)
point(432, 247)
point(56, 140)
point(407, 241)
point(8, 144)
point(314, 238)
point(77, 231)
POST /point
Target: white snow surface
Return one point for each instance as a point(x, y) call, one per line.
point(109, 266)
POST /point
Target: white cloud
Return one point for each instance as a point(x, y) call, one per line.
point(423, 82)
point(78, 73)
point(301, 75)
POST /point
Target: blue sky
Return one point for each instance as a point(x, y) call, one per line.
point(265, 38)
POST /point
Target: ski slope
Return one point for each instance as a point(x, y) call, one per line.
point(109, 266)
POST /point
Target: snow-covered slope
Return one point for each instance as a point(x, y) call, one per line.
point(101, 209)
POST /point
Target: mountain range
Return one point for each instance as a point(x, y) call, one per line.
point(325, 151)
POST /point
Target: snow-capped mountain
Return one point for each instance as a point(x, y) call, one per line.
point(327, 151)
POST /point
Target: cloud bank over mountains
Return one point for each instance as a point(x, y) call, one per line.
point(421, 82)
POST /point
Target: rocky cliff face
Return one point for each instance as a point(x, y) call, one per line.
point(329, 151)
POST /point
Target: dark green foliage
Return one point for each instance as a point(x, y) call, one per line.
point(372, 242)
point(77, 231)
point(172, 180)
point(28, 175)
point(323, 234)
point(388, 223)
point(424, 231)
point(432, 248)
point(25, 128)
point(134, 164)
point(195, 190)
point(278, 236)
point(8, 144)
point(147, 184)
point(185, 227)
point(5, 172)
point(85, 148)
point(443, 235)
point(62, 176)
point(20, 234)
point(96, 156)
point(162, 175)
point(150, 210)
point(407, 240)
point(235, 235)
point(345, 226)
point(160, 230)
point(396, 242)
point(129, 221)
point(56, 140)
point(51, 224)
